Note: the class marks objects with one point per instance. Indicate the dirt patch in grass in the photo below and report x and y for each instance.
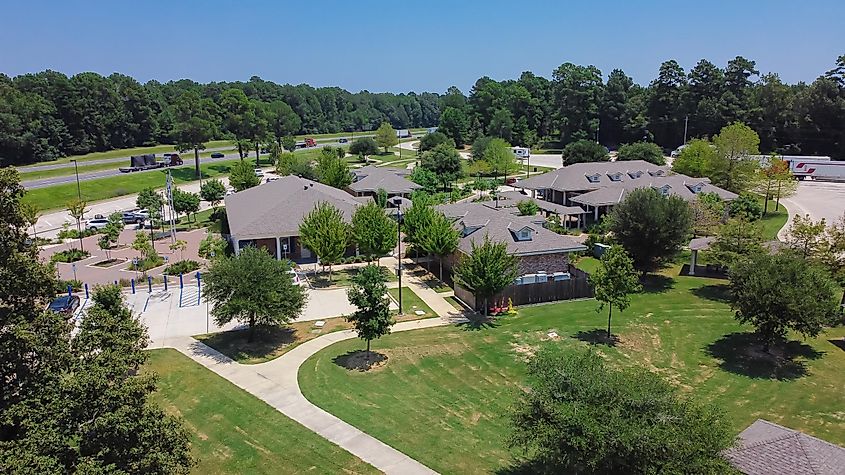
(361, 360)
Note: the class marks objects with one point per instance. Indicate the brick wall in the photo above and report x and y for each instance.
(543, 262)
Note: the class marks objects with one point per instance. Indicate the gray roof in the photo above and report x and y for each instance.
(391, 180)
(592, 179)
(701, 243)
(477, 220)
(511, 198)
(277, 208)
(768, 448)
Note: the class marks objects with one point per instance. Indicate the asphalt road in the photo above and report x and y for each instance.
(819, 199)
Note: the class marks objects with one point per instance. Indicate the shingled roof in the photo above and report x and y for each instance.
(277, 208)
(770, 449)
(391, 180)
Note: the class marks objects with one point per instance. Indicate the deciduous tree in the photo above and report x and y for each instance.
(732, 168)
(242, 176)
(445, 162)
(213, 191)
(438, 237)
(324, 232)
(185, 202)
(252, 288)
(373, 230)
(386, 136)
(583, 151)
(364, 147)
(488, 269)
(368, 293)
(333, 170)
(614, 280)
(429, 141)
(736, 240)
(647, 151)
(195, 124)
(696, 159)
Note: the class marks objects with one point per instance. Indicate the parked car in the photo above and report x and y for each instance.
(259, 173)
(130, 217)
(271, 178)
(230, 191)
(510, 181)
(65, 305)
(143, 214)
(342, 140)
(96, 224)
(217, 155)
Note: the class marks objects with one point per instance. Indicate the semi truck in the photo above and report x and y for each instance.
(306, 143)
(827, 170)
(403, 134)
(138, 163)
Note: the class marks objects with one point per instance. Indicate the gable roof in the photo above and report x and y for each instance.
(391, 180)
(771, 449)
(503, 225)
(277, 208)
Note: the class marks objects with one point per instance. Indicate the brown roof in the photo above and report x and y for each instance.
(477, 220)
(768, 448)
(391, 180)
(277, 208)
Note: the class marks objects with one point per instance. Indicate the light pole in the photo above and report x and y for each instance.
(79, 198)
(397, 201)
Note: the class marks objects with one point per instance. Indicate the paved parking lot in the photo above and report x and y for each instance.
(819, 199)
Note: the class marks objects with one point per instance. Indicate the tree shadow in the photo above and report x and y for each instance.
(597, 337)
(717, 293)
(742, 353)
(236, 345)
(657, 283)
(530, 467)
(476, 322)
(360, 360)
(840, 343)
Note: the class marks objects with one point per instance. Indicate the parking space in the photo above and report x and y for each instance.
(819, 199)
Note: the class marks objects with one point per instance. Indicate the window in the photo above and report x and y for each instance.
(697, 187)
(593, 178)
(664, 190)
(657, 173)
(524, 234)
(615, 176)
(635, 174)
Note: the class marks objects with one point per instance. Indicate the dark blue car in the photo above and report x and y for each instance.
(66, 305)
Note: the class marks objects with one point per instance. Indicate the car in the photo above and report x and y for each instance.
(129, 217)
(295, 277)
(96, 224)
(259, 173)
(342, 140)
(64, 305)
(217, 155)
(510, 181)
(271, 178)
(230, 191)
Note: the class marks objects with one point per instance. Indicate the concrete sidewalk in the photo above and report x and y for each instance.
(276, 383)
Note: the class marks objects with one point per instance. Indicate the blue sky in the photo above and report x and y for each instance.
(417, 45)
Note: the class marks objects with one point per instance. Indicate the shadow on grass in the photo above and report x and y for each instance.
(478, 322)
(528, 467)
(597, 337)
(236, 345)
(717, 293)
(657, 283)
(742, 353)
(840, 343)
(360, 360)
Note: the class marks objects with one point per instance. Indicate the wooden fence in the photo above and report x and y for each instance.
(576, 287)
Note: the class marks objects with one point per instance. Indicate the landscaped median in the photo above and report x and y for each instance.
(443, 395)
(234, 432)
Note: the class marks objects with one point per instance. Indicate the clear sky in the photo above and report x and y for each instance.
(416, 45)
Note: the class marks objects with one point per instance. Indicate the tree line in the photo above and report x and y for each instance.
(48, 114)
(578, 104)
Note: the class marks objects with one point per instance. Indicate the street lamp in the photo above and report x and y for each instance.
(397, 201)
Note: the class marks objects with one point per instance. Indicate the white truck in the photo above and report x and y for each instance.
(403, 133)
(827, 170)
(521, 152)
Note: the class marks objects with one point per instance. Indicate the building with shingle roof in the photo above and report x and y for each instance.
(598, 186)
(771, 449)
(368, 180)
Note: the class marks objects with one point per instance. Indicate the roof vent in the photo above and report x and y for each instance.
(305, 187)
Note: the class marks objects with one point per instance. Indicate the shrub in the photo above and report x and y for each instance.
(182, 267)
(61, 285)
(70, 233)
(69, 255)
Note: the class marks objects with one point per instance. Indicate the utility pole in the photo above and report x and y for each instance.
(686, 122)
(397, 202)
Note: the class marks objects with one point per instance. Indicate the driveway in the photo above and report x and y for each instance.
(819, 199)
(325, 303)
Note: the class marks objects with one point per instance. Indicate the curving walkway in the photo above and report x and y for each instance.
(276, 383)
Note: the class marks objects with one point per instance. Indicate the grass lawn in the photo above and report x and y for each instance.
(342, 277)
(125, 152)
(411, 302)
(234, 432)
(773, 220)
(199, 220)
(57, 197)
(444, 394)
(454, 302)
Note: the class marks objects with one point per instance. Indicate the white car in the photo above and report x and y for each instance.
(271, 178)
(96, 224)
(297, 280)
(259, 173)
(230, 191)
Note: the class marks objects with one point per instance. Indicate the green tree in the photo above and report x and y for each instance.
(282, 121)
(429, 141)
(775, 181)
(368, 293)
(576, 92)
(152, 201)
(527, 207)
(76, 209)
(185, 202)
(416, 218)
(373, 230)
(445, 162)
(195, 124)
(770, 293)
(364, 147)
(381, 198)
(732, 168)
(584, 151)
(614, 280)
(213, 191)
(111, 233)
(696, 159)
(31, 212)
(289, 143)
(736, 240)
(386, 136)
(745, 206)
(427, 179)
(807, 237)
(438, 237)
(500, 157)
(211, 247)
(252, 288)
(324, 232)
(651, 227)
(239, 115)
(479, 148)
(296, 165)
(454, 123)
(582, 415)
(646, 151)
(488, 269)
(332, 170)
(242, 176)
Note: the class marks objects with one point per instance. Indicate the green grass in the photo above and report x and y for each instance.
(342, 277)
(57, 197)
(444, 394)
(454, 302)
(773, 220)
(203, 219)
(234, 432)
(125, 152)
(411, 302)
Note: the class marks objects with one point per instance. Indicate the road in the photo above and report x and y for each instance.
(819, 199)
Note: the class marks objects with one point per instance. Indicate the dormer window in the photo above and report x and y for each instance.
(594, 178)
(657, 172)
(525, 234)
(697, 187)
(664, 190)
(635, 174)
(615, 176)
